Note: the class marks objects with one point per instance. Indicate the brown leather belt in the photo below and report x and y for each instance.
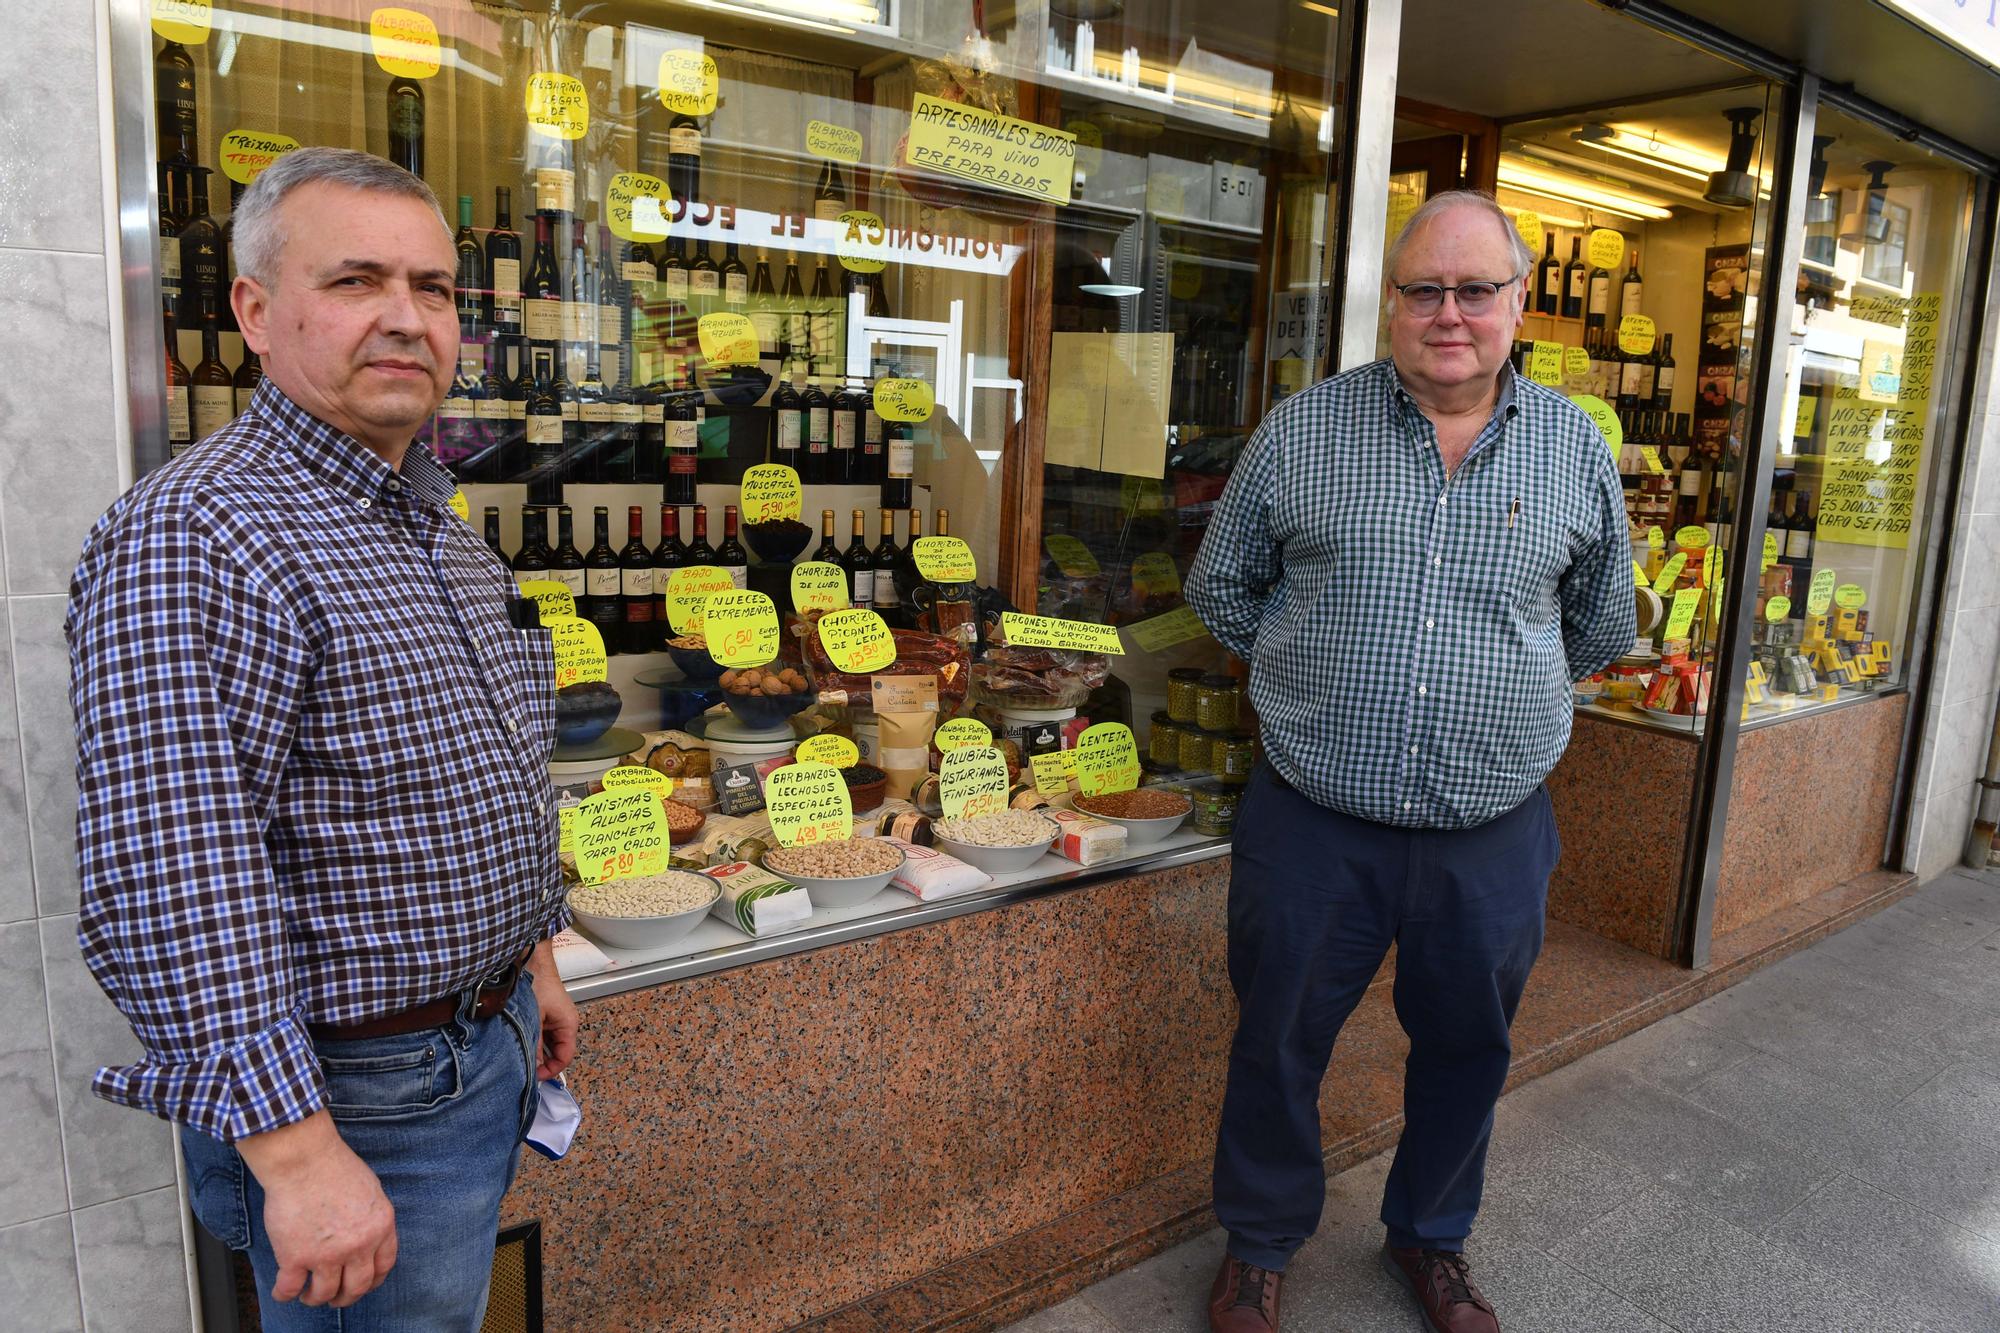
(492, 995)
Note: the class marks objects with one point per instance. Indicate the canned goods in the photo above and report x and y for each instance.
(1215, 812)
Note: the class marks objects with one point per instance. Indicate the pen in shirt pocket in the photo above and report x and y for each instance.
(1513, 511)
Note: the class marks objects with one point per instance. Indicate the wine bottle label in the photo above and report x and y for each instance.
(681, 462)
(1600, 296)
(610, 328)
(542, 320)
(1552, 283)
(637, 583)
(766, 324)
(1577, 277)
(517, 409)
(1690, 482)
(456, 409)
(817, 429)
(638, 270)
(902, 459)
(788, 431)
(1628, 300)
(737, 291)
(569, 578)
(490, 409)
(704, 281)
(1663, 379)
(1798, 543)
(594, 413)
(1628, 377)
(555, 187)
(829, 210)
(684, 435)
(843, 431)
(243, 397)
(529, 574)
(871, 432)
(884, 592)
(170, 266)
(739, 575)
(213, 408)
(611, 359)
(684, 141)
(677, 283)
(579, 322)
(569, 410)
(864, 586)
(544, 428)
(603, 582)
(654, 413)
(1646, 382)
(625, 414)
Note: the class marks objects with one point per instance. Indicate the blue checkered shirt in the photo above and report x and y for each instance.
(312, 760)
(1411, 648)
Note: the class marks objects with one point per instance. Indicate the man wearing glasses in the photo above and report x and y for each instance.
(1416, 558)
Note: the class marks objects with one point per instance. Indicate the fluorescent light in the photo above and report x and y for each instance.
(1576, 190)
(1327, 10)
(1655, 162)
(1641, 144)
(746, 11)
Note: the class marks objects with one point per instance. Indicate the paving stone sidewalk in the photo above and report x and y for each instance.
(1817, 1147)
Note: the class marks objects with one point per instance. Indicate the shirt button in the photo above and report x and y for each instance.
(393, 486)
(363, 505)
(1423, 689)
(1440, 502)
(1406, 805)
(1430, 624)
(513, 726)
(1437, 560)
(1413, 749)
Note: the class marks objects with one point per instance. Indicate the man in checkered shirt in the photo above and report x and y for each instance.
(1417, 558)
(315, 825)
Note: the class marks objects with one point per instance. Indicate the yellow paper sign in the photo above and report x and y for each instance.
(1177, 626)
(972, 781)
(1635, 334)
(637, 775)
(1681, 619)
(183, 21)
(835, 143)
(1530, 226)
(818, 585)
(741, 628)
(1850, 596)
(566, 829)
(688, 591)
(244, 153)
(808, 804)
(1184, 280)
(551, 599)
(620, 834)
(1605, 248)
(860, 248)
(1711, 566)
(1770, 550)
(636, 206)
(1576, 362)
(1654, 464)
(1077, 636)
(857, 640)
(1638, 575)
(1803, 415)
(1606, 418)
(945, 560)
(1545, 364)
(903, 400)
(1072, 557)
(558, 107)
(461, 506)
(1089, 144)
(1154, 574)
(579, 650)
(728, 339)
(1656, 541)
(1691, 538)
(1670, 573)
(1053, 770)
(1820, 595)
(961, 733)
(1777, 609)
(688, 82)
(1107, 759)
(770, 492)
(829, 749)
(405, 43)
(974, 144)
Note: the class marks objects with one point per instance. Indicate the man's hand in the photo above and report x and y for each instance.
(329, 1222)
(558, 1013)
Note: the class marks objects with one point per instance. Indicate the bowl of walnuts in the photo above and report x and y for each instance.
(765, 697)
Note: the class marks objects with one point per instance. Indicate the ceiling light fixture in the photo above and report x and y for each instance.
(1642, 144)
(1869, 225)
(1575, 190)
(1734, 186)
(1327, 10)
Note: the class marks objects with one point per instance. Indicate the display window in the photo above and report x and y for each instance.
(851, 376)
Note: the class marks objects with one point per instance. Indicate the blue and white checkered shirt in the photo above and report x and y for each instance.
(312, 761)
(1412, 638)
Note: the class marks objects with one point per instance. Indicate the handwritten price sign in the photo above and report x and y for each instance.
(808, 803)
(1545, 364)
(550, 598)
(728, 339)
(860, 248)
(818, 585)
(945, 560)
(558, 106)
(857, 640)
(1072, 557)
(627, 776)
(1605, 248)
(579, 650)
(770, 491)
(1107, 759)
(245, 153)
(405, 43)
(1076, 636)
(1053, 771)
(689, 82)
(742, 628)
(1606, 418)
(1819, 597)
(835, 143)
(904, 400)
(962, 733)
(636, 205)
(829, 749)
(688, 591)
(620, 834)
(972, 782)
(1635, 335)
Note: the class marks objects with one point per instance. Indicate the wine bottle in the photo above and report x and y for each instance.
(878, 297)
(1631, 376)
(406, 125)
(174, 105)
(1799, 536)
(1548, 279)
(668, 556)
(531, 562)
(249, 374)
(612, 303)
(673, 269)
(566, 562)
(492, 517)
(1600, 299)
(635, 585)
(1663, 375)
(211, 387)
(1648, 365)
(845, 467)
(899, 477)
(873, 463)
(882, 596)
(819, 433)
(704, 278)
(173, 216)
(731, 555)
(580, 307)
(459, 435)
(684, 161)
(788, 423)
(227, 310)
(503, 267)
(699, 552)
(1687, 502)
(1631, 291)
(904, 573)
(587, 436)
(763, 304)
(792, 311)
(859, 564)
(603, 602)
(542, 297)
(829, 549)
(1575, 279)
(508, 458)
(649, 428)
(471, 277)
(544, 414)
(735, 279)
(829, 193)
(683, 430)
(204, 286)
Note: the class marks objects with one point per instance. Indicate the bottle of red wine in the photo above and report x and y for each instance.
(829, 549)
(532, 560)
(819, 434)
(873, 464)
(471, 278)
(859, 564)
(180, 422)
(544, 413)
(211, 386)
(503, 267)
(735, 278)
(668, 556)
(249, 374)
(684, 160)
(699, 552)
(542, 303)
(1575, 276)
(493, 533)
(731, 555)
(847, 468)
(406, 125)
(1548, 279)
(174, 105)
(204, 281)
(683, 433)
(788, 423)
(883, 594)
(900, 468)
(603, 582)
(566, 564)
(635, 585)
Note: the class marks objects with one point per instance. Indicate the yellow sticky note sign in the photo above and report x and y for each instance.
(1670, 573)
(1107, 759)
(637, 775)
(1803, 416)
(688, 591)
(961, 733)
(1850, 596)
(1638, 575)
(1053, 770)
(621, 834)
(1777, 609)
(904, 400)
(860, 248)
(807, 804)
(818, 585)
(828, 749)
(636, 206)
(1154, 574)
(245, 153)
(1606, 418)
(835, 143)
(566, 829)
(1545, 362)
(1711, 566)
(1076, 636)
(1681, 619)
(728, 339)
(1604, 248)
(183, 21)
(972, 781)
(1654, 464)
(945, 560)
(741, 628)
(579, 650)
(1072, 557)
(552, 599)
(1576, 362)
(688, 82)
(770, 492)
(1656, 541)
(857, 640)
(1529, 225)
(558, 107)
(1770, 550)
(461, 506)
(975, 144)
(1819, 596)
(1635, 335)
(1691, 538)
(405, 43)
(1177, 626)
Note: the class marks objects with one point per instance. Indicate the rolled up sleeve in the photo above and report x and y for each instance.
(1231, 579)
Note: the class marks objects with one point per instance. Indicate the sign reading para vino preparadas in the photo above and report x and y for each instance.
(688, 591)
(974, 144)
(579, 650)
(741, 628)
(808, 803)
(945, 560)
(818, 585)
(405, 43)
(689, 82)
(1076, 636)
(770, 492)
(1107, 759)
(972, 782)
(857, 640)
(245, 153)
(621, 834)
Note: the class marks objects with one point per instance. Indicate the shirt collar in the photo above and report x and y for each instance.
(349, 466)
(1504, 406)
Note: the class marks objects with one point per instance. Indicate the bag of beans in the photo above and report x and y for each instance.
(931, 875)
(906, 713)
(757, 902)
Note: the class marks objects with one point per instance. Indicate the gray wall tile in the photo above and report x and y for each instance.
(1913, 835)
(1964, 729)
(1947, 819)
(110, 1151)
(58, 451)
(52, 200)
(1986, 480)
(1974, 580)
(17, 880)
(131, 1265)
(31, 1180)
(48, 743)
(38, 1276)
(1973, 663)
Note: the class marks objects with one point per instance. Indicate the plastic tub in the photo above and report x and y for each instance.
(1034, 730)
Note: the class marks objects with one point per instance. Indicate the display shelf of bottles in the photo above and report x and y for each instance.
(1160, 104)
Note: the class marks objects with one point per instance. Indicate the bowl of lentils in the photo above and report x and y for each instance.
(838, 874)
(645, 912)
(999, 843)
(1147, 813)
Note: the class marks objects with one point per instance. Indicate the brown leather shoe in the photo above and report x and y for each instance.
(1437, 1278)
(1244, 1298)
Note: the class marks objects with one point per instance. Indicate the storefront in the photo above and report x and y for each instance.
(755, 296)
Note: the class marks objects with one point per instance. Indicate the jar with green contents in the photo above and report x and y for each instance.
(1183, 694)
(1215, 812)
(1197, 750)
(1164, 746)
(1235, 754)
(1218, 703)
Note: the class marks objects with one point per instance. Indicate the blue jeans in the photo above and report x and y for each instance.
(438, 1116)
(1315, 899)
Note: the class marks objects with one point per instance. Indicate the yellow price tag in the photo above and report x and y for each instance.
(1711, 566)
(962, 733)
(405, 43)
(945, 560)
(688, 82)
(1177, 626)
(1606, 417)
(1820, 595)
(1691, 537)
(904, 400)
(835, 143)
(183, 21)
(688, 591)
(1638, 575)
(1154, 574)
(1635, 335)
(621, 834)
(1850, 596)
(1656, 541)
(972, 782)
(1075, 636)
(770, 491)
(1605, 248)
(1681, 619)
(551, 599)
(636, 206)
(1072, 557)
(245, 153)
(807, 804)
(1107, 759)
(1777, 609)
(579, 650)
(461, 506)
(558, 106)
(860, 247)
(1545, 363)
(1670, 573)
(728, 339)
(1654, 464)
(829, 749)
(1529, 225)
(818, 585)
(626, 776)
(857, 640)
(566, 829)
(1053, 770)
(1770, 550)
(1576, 362)
(741, 628)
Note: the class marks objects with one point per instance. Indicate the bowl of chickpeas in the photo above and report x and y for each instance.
(765, 697)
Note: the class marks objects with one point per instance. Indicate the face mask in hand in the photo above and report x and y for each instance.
(556, 1118)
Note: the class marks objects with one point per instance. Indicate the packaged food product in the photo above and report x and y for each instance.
(904, 732)
(930, 875)
(1215, 812)
(1084, 840)
(1218, 701)
(1183, 694)
(757, 902)
(931, 656)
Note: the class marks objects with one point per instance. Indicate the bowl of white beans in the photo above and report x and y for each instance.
(646, 912)
(999, 843)
(838, 874)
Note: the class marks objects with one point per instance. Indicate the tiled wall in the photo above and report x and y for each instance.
(90, 1219)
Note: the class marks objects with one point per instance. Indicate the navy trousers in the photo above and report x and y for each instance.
(1315, 899)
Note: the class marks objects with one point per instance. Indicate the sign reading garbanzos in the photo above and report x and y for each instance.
(1018, 156)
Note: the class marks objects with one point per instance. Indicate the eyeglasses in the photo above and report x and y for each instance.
(1474, 298)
